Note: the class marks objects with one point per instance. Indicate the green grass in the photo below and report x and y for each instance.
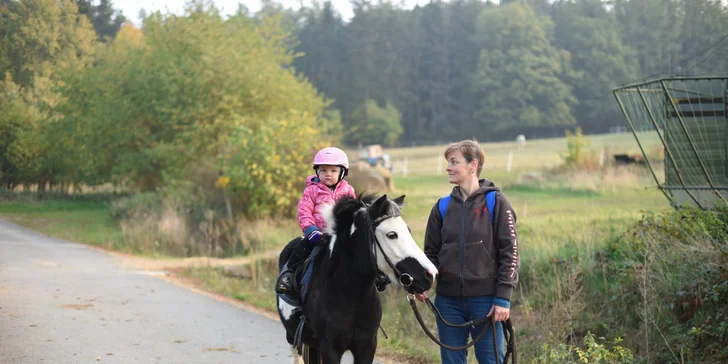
(255, 291)
(564, 216)
(82, 221)
(536, 155)
(567, 215)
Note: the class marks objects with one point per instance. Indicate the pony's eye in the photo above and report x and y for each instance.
(391, 235)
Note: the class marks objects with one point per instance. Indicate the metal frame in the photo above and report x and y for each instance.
(635, 84)
(659, 86)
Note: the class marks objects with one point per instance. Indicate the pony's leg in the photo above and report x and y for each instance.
(295, 358)
(330, 355)
(364, 355)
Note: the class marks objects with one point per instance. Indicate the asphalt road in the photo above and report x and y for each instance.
(68, 303)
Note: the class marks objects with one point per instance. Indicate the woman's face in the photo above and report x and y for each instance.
(458, 169)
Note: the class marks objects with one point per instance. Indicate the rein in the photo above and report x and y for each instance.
(508, 332)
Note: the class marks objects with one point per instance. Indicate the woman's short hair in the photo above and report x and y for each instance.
(470, 149)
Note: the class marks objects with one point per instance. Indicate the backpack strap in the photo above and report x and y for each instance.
(442, 204)
(489, 200)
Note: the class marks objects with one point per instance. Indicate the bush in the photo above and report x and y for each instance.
(591, 352)
(371, 124)
(576, 145)
(267, 173)
(662, 285)
(670, 269)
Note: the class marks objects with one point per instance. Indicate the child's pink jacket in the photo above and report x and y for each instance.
(315, 196)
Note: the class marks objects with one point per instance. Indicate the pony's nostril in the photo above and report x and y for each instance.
(406, 280)
(430, 275)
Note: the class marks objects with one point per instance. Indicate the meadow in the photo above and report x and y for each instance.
(565, 215)
(560, 213)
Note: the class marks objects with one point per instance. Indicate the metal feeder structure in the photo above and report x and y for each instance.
(681, 127)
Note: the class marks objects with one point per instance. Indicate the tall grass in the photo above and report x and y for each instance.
(563, 224)
(171, 232)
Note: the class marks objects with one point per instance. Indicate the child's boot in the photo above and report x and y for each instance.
(285, 282)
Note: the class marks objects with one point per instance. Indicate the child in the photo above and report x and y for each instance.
(331, 166)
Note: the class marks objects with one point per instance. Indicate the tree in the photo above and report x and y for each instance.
(704, 23)
(17, 122)
(43, 35)
(432, 70)
(520, 73)
(156, 104)
(324, 58)
(372, 124)
(107, 21)
(43, 39)
(463, 51)
(591, 35)
(649, 28)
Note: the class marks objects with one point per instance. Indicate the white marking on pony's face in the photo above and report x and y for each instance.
(296, 359)
(353, 230)
(332, 243)
(327, 211)
(397, 242)
(285, 308)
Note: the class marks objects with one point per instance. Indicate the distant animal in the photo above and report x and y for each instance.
(625, 159)
(521, 140)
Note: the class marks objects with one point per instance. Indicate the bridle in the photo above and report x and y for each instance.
(405, 279)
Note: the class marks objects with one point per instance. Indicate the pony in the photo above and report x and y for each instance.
(364, 237)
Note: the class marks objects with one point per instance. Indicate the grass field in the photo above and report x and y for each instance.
(566, 213)
(563, 214)
(79, 221)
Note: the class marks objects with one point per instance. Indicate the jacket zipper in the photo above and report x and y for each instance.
(462, 250)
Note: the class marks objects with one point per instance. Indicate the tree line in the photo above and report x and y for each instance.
(202, 99)
(467, 68)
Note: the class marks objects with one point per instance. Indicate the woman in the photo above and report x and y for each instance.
(477, 260)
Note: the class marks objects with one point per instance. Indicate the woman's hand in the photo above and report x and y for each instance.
(501, 313)
(421, 296)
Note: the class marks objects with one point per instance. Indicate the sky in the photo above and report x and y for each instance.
(130, 8)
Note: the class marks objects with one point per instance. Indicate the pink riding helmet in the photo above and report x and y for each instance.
(334, 157)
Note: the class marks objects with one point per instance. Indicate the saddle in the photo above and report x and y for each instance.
(302, 274)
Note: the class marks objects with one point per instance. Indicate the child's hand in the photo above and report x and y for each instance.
(314, 236)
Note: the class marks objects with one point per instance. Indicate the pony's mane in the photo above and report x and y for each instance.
(347, 207)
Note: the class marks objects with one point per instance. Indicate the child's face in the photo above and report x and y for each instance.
(329, 175)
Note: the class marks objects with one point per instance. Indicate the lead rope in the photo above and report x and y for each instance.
(508, 332)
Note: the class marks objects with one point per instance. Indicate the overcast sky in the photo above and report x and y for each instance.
(130, 8)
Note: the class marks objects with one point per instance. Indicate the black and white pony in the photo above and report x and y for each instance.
(364, 236)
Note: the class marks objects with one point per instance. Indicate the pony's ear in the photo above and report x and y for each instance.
(379, 207)
(399, 201)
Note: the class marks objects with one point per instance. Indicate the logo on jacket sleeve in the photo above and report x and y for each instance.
(512, 230)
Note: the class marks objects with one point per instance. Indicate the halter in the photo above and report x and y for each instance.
(404, 279)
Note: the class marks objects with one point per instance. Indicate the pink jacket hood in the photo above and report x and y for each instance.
(315, 196)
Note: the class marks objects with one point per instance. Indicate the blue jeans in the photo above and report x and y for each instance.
(458, 310)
